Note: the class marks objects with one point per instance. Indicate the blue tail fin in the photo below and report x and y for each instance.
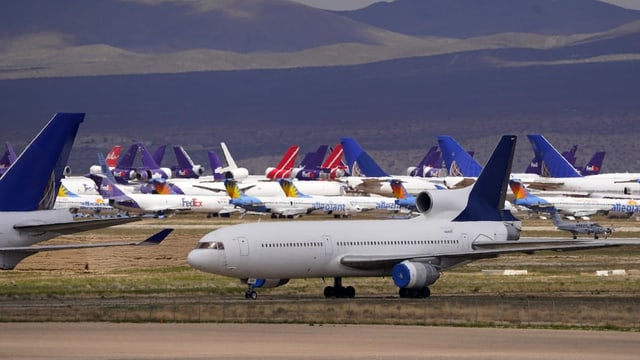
(594, 165)
(8, 158)
(458, 161)
(33, 180)
(358, 161)
(486, 199)
(553, 164)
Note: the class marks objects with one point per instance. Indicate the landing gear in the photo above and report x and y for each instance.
(338, 291)
(251, 294)
(415, 293)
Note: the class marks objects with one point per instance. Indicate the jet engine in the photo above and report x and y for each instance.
(66, 171)
(198, 170)
(442, 204)
(414, 275)
(266, 283)
(143, 175)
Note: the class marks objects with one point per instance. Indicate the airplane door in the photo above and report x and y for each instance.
(464, 239)
(328, 246)
(244, 245)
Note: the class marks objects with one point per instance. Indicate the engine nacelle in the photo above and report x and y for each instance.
(198, 170)
(167, 171)
(410, 170)
(266, 283)
(66, 171)
(442, 204)
(414, 275)
(142, 175)
(95, 170)
(238, 174)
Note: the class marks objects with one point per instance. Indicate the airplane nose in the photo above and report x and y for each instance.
(200, 259)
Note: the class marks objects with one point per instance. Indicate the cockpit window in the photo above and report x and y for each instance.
(216, 245)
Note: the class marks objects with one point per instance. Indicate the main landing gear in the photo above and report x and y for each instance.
(338, 291)
(422, 293)
(251, 294)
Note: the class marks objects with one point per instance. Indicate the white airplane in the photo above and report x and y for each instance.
(28, 193)
(368, 177)
(567, 205)
(277, 206)
(340, 206)
(82, 204)
(456, 227)
(160, 204)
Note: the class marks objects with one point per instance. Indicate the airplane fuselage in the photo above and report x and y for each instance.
(332, 248)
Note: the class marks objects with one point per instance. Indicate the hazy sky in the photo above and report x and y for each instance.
(355, 4)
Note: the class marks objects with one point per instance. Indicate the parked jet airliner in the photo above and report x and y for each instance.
(456, 227)
(28, 192)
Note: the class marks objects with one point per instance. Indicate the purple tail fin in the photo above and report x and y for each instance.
(594, 165)
(158, 155)
(313, 160)
(8, 158)
(215, 163)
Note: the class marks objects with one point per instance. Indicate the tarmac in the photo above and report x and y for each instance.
(294, 341)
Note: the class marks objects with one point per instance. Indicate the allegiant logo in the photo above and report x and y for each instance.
(626, 208)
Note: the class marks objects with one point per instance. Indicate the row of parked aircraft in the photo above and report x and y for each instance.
(454, 227)
(574, 194)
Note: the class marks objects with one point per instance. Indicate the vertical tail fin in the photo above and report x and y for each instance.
(290, 189)
(107, 188)
(358, 161)
(232, 188)
(487, 196)
(431, 161)
(33, 180)
(458, 161)
(126, 161)
(8, 158)
(158, 155)
(594, 165)
(113, 156)
(289, 158)
(553, 164)
(147, 159)
(216, 165)
(570, 155)
(334, 159)
(403, 198)
(186, 167)
(231, 164)
(313, 160)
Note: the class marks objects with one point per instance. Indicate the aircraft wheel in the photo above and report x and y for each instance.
(251, 294)
(350, 292)
(329, 291)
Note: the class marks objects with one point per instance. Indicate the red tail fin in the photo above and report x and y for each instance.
(113, 156)
(289, 158)
(334, 159)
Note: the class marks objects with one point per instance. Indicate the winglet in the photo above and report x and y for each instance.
(486, 198)
(40, 167)
(156, 238)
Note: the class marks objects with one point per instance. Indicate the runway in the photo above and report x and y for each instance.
(294, 341)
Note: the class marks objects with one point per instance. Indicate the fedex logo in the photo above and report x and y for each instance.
(193, 202)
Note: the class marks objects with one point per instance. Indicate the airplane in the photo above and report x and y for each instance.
(567, 205)
(28, 192)
(368, 177)
(82, 204)
(186, 168)
(459, 163)
(339, 206)
(285, 166)
(330, 168)
(7, 158)
(160, 205)
(456, 227)
(576, 228)
(231, 171)
(277, 206)
(403, 198)
(568, 180)
(594, 165)
(429, 166)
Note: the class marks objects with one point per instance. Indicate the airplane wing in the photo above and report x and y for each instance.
(488, 250)
(544, 185)
(71, 227)
(221, 187)
(154, 239)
